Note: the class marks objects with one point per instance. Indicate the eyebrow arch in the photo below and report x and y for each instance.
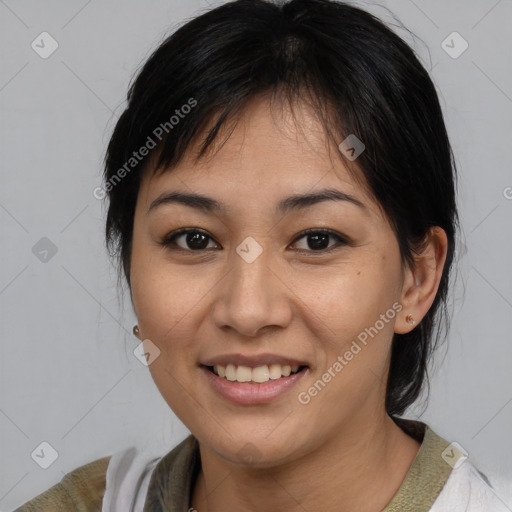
(296, 202)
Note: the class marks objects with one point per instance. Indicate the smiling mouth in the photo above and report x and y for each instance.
(256, 375)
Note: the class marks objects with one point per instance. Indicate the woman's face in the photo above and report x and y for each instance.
(248, 291)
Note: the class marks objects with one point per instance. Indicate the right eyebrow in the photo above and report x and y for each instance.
(200, 202)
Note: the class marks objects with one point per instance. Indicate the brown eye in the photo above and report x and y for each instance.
(189, 239)
(317, 240)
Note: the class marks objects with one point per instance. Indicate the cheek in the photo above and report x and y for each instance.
(344, 301)
(162, 299)
(164, 306)
(162, 294)
(353, 339)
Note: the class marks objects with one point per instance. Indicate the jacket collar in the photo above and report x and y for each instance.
(174, 477)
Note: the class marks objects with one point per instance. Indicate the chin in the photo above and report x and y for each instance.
(252, 450)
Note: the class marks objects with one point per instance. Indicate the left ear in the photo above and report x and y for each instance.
(421, 280)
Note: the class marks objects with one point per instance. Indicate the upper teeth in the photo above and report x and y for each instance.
(258, 374)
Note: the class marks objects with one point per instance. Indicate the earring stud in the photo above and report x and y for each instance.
(409, 319)
(136, 330)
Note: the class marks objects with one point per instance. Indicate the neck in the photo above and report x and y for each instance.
(359, 469)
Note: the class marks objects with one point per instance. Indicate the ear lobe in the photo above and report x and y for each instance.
(421, 280)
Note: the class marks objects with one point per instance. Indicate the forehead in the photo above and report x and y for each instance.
(273, 150)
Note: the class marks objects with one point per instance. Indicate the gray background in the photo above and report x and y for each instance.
(67, 369)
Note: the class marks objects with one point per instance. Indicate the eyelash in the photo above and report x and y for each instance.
(169, 241)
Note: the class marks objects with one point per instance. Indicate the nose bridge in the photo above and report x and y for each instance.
(250, 262)
(251, 298)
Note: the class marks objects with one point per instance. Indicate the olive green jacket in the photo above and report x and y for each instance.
(172, 480)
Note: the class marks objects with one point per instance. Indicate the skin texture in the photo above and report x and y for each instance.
(340, 451)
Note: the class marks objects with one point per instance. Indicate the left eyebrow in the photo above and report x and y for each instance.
(302, 201)
(295, 202)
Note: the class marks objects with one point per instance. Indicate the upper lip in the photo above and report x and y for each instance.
(252, 361)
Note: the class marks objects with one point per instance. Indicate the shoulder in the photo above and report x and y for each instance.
(81, 490)
(468, 489)
(442, 478)
(120, 481)
(138, 479)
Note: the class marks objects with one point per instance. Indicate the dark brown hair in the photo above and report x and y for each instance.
(361, 77)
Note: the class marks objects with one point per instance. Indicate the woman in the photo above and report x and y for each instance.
(282, 202)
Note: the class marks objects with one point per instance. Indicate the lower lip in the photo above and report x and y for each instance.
(249, 392)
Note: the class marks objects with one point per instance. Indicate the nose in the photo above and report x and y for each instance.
(253, 297)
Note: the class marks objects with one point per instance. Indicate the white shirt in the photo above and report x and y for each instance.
(129, 473)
